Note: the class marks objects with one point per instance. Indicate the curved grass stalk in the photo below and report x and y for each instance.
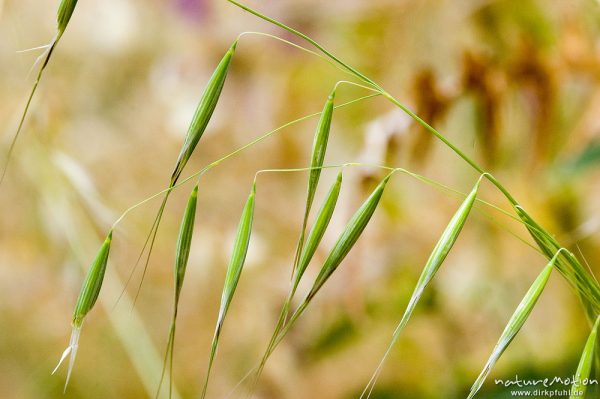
(297, 46)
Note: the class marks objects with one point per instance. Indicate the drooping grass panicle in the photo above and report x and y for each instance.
(232, 277)
(437, 257)
(85, 302)
(516, 321)
(592, 288)
(584, 367)
(182, 254)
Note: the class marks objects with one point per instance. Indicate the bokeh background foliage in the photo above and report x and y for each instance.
(513, 83)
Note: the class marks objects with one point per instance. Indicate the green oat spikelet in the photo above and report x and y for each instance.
(584, 368)
(85, 302)
(204, 111)
(567, 264)
(234, 271)
(206, 106)
(318, 230)
(314, 238)
(341, 248)
(65, 11)
(345, 242)
(348, 238)
(182, 255)
(319, 149)
(516, 322)
(437, 257)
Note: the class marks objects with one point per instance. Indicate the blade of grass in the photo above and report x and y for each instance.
(182, 254)
(516, 322)
(437, 257)
(582, 374)
(234, 271)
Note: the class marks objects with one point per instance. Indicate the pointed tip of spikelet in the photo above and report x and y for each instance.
(70, 352)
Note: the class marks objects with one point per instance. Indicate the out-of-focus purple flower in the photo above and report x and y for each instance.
(193, 10)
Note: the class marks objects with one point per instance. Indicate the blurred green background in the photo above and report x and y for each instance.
(513, 83)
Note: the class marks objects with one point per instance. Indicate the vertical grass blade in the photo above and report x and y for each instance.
(437, 257)
(182, 255)
(234, 271)
(585, 365)
(316, 162)
(515, 323)
(85, 302)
